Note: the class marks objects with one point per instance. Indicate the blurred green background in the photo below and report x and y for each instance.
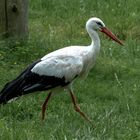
(111, 93)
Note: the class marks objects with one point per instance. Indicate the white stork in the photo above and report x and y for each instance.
(59, 69)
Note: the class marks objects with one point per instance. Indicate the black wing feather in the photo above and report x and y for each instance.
(28, 82)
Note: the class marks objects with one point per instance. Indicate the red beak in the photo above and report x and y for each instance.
(111, 35)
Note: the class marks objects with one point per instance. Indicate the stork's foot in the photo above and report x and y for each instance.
(44, 106)
(77, 108)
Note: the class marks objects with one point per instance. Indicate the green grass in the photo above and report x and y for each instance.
(110, 94)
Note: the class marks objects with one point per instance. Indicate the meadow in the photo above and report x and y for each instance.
(110, 95)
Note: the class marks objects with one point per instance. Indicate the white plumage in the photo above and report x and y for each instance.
(59, 65)
(59, 68)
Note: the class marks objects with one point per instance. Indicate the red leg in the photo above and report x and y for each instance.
(45, 105)
(77, 108)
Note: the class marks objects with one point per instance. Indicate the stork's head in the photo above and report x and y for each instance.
(98, 25)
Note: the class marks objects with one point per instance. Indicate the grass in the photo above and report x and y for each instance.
(110, 94)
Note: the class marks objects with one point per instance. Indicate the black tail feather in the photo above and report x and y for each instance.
(28, 82)
(11, 90)
(15, 88)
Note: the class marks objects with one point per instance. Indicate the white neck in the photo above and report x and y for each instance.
(95, 44)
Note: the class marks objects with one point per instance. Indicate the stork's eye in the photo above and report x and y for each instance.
(99, 23)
